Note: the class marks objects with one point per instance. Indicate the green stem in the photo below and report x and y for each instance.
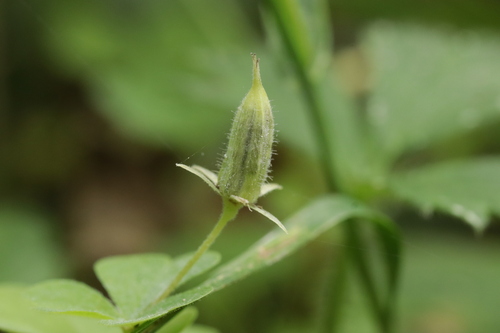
(333, 294)
(229, 212)
(293, 32)
(296, 43)
(359, 259)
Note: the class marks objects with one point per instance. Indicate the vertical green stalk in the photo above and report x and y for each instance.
(333, 292)
(229, 212)
(294, 35)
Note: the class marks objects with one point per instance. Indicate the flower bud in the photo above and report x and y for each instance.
(247, 159)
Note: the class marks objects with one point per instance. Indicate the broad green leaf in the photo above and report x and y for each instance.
(468, 189)
(318, 217)
(18, 315)
(167, 305)
(429, 83)
(134, 281)
(72, 297)
(86, 325)
(181, 321)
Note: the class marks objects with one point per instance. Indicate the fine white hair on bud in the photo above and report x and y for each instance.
(245, 166)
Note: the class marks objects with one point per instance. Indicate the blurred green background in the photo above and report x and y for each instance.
(100, 98)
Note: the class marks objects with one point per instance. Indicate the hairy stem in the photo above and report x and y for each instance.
(229, 212)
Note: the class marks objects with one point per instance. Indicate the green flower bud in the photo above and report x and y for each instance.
(247, 159)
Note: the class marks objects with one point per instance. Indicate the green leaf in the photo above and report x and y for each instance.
(181, 321)
(467, 189)
(134, 281)
(206, 175)
(165, 306)
(17, 315)
(318, 217)
(430, 83)
(269, 216)
(72, 297)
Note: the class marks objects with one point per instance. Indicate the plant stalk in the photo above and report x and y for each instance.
(287, 25)
(229, 212)
(333, 293)
(288, 20)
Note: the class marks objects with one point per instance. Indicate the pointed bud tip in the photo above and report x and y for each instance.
(256, 70)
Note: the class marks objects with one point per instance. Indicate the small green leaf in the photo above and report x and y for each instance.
(206, 175)
(269, 187)
(134, 281)
(269, 216)
(209, 174)
(72, 297)
(165, 306)
(181, 321)
(467, 189)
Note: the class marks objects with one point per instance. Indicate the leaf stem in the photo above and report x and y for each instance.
(229, 212)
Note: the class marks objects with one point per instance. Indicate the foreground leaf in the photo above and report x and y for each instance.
(318, 217)
(17, 315)
(469, 190)
(134, 281)
(72, 297)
